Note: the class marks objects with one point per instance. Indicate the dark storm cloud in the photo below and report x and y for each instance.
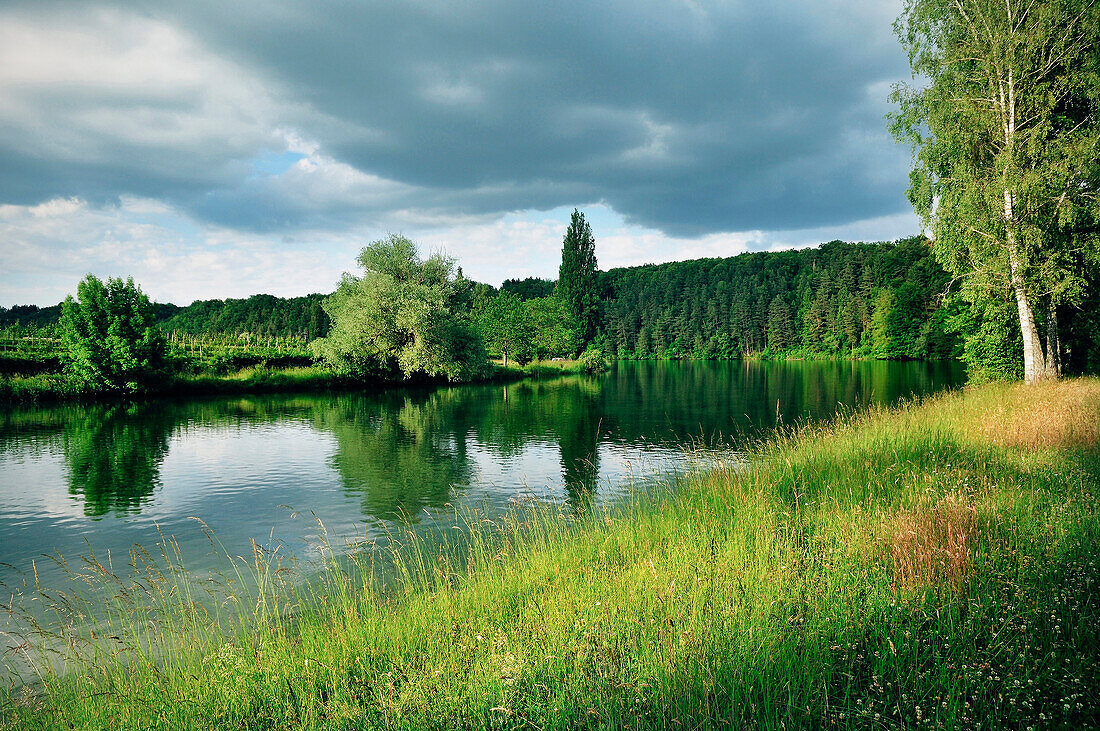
(687, 117)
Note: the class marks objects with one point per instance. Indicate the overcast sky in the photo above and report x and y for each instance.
(220, 149)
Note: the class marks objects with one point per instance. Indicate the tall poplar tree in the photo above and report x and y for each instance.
(577, 276)
(1006, 141)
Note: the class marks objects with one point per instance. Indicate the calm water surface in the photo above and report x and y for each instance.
(104, 478)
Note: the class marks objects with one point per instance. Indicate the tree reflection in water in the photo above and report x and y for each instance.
(114, 455)
(406, 449)
(402, 450)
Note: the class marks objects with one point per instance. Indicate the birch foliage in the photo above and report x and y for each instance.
(1004, 127)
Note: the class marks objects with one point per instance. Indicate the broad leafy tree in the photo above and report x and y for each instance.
(1007, 151)
(577, 279)
(556, 332)
(506, 328)
(109, 337)
(403, 318)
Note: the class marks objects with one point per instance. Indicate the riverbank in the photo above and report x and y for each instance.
(56, 388)
(936, 563)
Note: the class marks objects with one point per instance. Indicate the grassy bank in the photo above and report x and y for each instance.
(56, 387)
(926, 566)
(537, 369)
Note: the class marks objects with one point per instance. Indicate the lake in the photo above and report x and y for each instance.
(284, 469)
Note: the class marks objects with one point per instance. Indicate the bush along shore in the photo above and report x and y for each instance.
(934, 565)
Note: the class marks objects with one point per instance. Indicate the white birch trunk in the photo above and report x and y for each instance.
(1035, 366)
(1034, 362)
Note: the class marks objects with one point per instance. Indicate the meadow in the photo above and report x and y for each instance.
(932, 565)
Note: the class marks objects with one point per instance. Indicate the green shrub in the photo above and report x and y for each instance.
(109, 338)
(593, 361)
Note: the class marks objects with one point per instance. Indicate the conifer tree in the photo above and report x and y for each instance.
(577, 276)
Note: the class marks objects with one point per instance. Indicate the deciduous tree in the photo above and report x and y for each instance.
(506, 328)
(404, 317)
(109, 338)
(556, 333)
(1007, 150)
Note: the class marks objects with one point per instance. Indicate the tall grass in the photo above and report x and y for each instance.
(897, 569)
(59, 387)
(40, 387)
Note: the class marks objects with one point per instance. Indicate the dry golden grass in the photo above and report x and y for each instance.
(932, 543)
(1046, 415)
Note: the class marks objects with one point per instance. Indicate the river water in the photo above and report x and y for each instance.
(285, 469)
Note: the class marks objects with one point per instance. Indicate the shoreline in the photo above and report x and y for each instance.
(54, 388)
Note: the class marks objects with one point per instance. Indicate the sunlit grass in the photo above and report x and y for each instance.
(58, 387)
(537, 368)
(40, 387)
(899, 568)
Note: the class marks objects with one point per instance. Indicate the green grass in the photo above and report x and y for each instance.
(536, 369)
(56, 387)
(261, 380)
(933, 565)
(39, 388)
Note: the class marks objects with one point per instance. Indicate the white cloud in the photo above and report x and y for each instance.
(49, 247)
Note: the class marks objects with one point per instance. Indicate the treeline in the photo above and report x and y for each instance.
(876, 300)
(881, 300)
(32, 318)
(261, 314)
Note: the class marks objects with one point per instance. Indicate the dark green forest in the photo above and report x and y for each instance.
(260, 314)
(529, 288)
(882, 300)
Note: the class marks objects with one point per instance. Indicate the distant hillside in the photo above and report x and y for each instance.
(260, 314)
(33, 316)
(529, 288)
(879, 300)
(29, 316)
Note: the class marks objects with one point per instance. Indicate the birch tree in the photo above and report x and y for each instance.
(1004, 129)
